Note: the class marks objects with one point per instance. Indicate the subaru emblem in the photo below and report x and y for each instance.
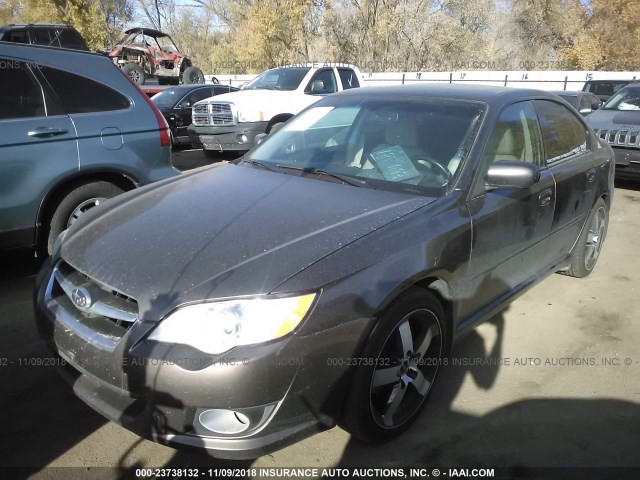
(81, 297)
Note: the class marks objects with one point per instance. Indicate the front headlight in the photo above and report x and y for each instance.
(216, 327)
(250, 116)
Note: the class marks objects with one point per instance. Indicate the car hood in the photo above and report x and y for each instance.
(608, 118)
(254, 98)
(226, 231)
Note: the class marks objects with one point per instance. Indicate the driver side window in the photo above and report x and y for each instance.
(515, 136)
(322, 83)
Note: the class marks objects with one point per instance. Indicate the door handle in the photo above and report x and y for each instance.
(545, 197)
(46, 132)
(591, 175)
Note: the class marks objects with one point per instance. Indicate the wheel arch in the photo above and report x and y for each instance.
(434, 283)
(279, 118)
(47, 206)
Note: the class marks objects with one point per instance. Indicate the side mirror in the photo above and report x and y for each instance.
(512, 174)
(317, 86)
(585, 111)
(596, 105)
(260, 138)
(184, 105)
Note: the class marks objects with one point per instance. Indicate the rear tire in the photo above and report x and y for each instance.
(192, 75)
(75, 203)
(401, 361)
(589, 244)
(135, 72)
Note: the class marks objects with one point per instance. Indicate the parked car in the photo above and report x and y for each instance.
(584, 102)
(618, 124)
(48, 34)
(231, 123)
(323, 277)
(176, 103)
(145, 52)
(605, 89)
(74, 131)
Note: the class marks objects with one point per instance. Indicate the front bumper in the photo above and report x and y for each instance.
(161, 392)
(627, 162)
(239, 137)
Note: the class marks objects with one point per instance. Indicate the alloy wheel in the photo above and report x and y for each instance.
(595, 238)
(406, 369)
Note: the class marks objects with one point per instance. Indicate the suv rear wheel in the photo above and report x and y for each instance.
(75, 203)
(192, 75)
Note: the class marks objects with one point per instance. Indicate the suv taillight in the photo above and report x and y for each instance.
(163, 126)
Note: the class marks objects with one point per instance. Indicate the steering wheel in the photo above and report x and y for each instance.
(441, 169)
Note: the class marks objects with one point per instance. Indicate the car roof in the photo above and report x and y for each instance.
(18, 26)
(572, 93)
(193, 86)
(147, 31)
(612, 81)
(44, 53)
(480, 93)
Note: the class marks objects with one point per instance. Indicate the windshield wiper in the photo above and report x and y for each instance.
(257, 163)
(343, 178)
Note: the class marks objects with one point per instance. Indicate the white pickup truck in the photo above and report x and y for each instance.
(231, 121)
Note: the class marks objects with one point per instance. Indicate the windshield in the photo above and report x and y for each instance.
(163, 42)
(285, 78)
(411, 144)
(167, 98)
(627, 99)
(605, 88)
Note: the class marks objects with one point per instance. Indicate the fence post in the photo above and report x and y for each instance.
(402, 78)
(566, 78)
(451, 77)
(506, 78)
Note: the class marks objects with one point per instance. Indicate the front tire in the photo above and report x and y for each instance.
(75, 203)
(400, 364)
(589, 244)
(274, 127)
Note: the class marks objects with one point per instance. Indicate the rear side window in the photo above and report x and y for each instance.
(81, 95)
(348, 78)
(17, 36)
(563, 134)
(40, 36)
(20, 95)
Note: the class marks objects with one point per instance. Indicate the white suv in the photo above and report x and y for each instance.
(232, 121)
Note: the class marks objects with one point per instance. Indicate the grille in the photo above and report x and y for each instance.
(94, 312)
(214, 114)
(622, 138)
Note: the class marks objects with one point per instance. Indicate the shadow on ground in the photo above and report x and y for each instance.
(528, 433)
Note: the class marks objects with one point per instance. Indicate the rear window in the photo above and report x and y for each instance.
(81, 95)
